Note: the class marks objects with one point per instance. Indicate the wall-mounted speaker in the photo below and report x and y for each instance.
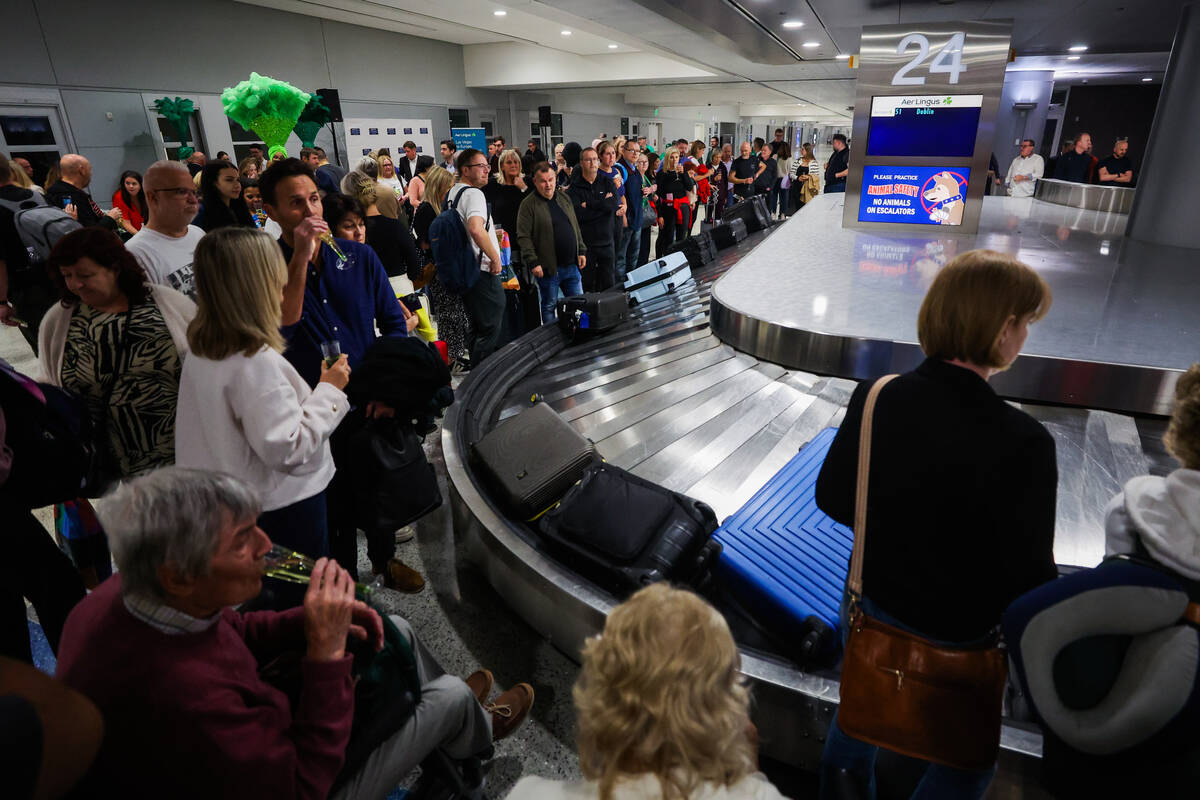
(330, 98)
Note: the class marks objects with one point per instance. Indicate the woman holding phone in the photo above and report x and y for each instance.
(243, 409)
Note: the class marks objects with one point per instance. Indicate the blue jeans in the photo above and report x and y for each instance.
(303, 527)
(773, 195)
(568, 280)
(628, 249)
(834, 188)
(856, 758)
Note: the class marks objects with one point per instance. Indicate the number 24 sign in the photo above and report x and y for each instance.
(948, 60)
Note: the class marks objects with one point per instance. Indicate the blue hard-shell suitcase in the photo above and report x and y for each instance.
(785, 561)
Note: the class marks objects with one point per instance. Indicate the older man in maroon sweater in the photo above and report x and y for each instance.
(175, 670)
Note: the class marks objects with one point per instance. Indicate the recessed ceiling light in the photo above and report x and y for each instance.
(793, 23)
(612, 47)
(499, 13)
(811, 44)
(1077, 48)
(1147, 80)
(842, 56)
(566, 33)
(1074, 58)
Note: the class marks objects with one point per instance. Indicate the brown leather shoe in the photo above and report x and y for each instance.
(510, 710)
(480, 683)
(402, 578)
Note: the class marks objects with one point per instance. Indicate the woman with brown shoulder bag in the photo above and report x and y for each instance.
(951, 493)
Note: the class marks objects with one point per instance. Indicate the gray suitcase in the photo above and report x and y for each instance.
(532, 459)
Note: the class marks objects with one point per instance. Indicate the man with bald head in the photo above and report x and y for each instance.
(165, 244)
(69, 194)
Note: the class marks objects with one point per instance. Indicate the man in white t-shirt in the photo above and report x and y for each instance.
(1024, 171)
(485, 301)
(165, 244)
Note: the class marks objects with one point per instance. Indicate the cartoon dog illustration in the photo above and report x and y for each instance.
(947, 199)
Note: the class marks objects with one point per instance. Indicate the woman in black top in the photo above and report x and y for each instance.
(674, 213)
(221, 203)
(962, 485)
(505, 195)
(390, 238)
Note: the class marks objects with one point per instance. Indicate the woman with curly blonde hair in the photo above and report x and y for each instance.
(1160, 516)
(662, 709)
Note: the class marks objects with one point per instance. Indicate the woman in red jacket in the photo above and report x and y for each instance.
(131, 199)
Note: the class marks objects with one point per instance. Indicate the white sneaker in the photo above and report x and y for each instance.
(405, 534)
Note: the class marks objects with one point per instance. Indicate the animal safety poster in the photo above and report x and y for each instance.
(914, 195)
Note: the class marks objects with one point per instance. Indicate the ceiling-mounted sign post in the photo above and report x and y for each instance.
(924, 120)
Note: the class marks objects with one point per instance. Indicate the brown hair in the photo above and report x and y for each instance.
(1183, 433)
(103, 247)
(970, 301)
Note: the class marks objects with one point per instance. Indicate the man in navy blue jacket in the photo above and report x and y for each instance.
(631, 235)
(327, 298)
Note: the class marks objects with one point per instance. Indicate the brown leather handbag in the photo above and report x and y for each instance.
(899, 690)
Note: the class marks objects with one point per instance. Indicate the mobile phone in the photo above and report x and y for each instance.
(66, 202)
(412, 302)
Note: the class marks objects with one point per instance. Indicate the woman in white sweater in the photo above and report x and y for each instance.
(662, 710)
(243, 409)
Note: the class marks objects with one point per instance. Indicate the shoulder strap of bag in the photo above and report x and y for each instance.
(860, 494)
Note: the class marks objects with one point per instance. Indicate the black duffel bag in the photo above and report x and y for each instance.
(391, 481)
(625, 532)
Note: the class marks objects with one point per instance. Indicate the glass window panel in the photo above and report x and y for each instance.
(19, 131)
(40, 160)
(240, 134)
(556, 128)
(459, 118)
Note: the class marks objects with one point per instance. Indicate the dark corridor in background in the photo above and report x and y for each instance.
(1107, 112)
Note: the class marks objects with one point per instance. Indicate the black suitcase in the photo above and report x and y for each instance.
(624, 532)
(753, 211)
(593, 312)
(533, 458)
(698, 248)
(727, 233)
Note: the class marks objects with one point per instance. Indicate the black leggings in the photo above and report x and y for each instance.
(34, 568)
(672, 230)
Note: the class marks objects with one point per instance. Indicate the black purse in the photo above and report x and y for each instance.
(392, 482)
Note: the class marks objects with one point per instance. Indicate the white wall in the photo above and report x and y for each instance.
(1011, 124)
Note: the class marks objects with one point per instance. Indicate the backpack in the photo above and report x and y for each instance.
(457, 265)
(39, 225)
(50, 434)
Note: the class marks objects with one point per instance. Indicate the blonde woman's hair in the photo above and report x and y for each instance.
(1183, 433)
(437, 182)
(240, 273)
(361, 187)
(669, 160)
(660, 693)
(21, 178)
(501, 178)
(970, 301)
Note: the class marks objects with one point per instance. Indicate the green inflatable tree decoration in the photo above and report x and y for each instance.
(314, 117)
(178, 112)
(266, 106)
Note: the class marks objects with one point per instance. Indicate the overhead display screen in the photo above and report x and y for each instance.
(914, 195)
(935, 126)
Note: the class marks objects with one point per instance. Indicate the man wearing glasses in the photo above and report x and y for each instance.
(1024, 171)
(631, 235)
(165, 244)
(485, 300)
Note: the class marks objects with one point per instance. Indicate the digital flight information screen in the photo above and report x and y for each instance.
(935, 125)
(914, 195)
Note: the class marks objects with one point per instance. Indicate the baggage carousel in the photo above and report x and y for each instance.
(663, 396)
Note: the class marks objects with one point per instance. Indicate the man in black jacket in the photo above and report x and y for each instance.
(595, 199)
(412, 164)
(532, 157)
(69, 194)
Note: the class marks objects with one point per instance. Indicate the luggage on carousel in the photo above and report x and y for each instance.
(532, 459)
(698, 248)
(659, 277)
(593, 312)
(785, 561)
(728, 233)
(624, 532)
(752, 210)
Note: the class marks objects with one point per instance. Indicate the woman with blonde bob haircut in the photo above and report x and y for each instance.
(243, 409)
(957, 476)
(662, 709)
